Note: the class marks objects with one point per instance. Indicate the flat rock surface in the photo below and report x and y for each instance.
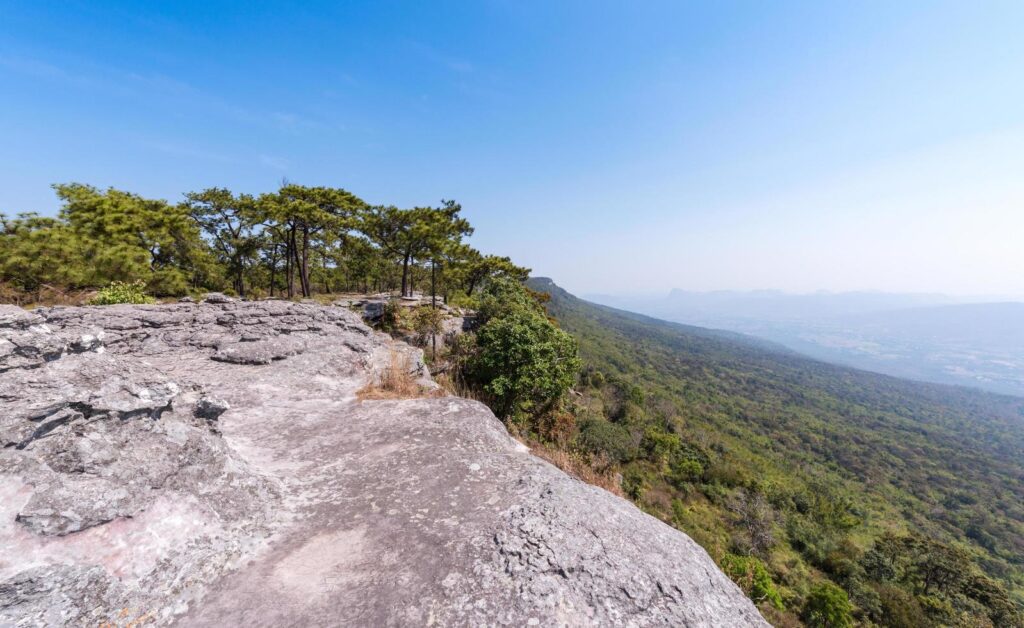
(209, 464)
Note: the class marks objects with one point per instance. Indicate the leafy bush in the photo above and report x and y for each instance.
(503, 296)
(752, 576)
(601, 437)
(659, 446)
(898, 607)
(527, 361)
(392, 317)
(684, 471)
(524, 362)
(635, 483)
(828, 606)
(122, 292)
(594, 379)
(687, 464)
(427, 322)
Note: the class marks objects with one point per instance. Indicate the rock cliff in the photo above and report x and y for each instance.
(209, 464)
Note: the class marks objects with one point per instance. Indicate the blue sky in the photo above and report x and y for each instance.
(617, 147)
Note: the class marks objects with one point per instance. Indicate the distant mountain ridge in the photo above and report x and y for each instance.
(774, 305)
(917, 336)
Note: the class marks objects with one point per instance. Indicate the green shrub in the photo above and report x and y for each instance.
(524, 362)
(122, 292)
(598, 436)
(752, 576)
(898, 607)
(635, 483)
(685, 471)
(659, 446)
(828, 606)
(527, 362)
(503, 296)
(636, 395)
(392, 317)
(596, 379)
(687, 464)
(427, 322)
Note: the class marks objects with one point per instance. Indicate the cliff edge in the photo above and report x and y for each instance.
(209, 464)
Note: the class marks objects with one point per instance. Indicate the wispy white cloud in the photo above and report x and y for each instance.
(290, 121)
(462, 67)
(465, 76)
(274, 162)
(142, 85)
(163, 84)
(435, 56)
(41, 69)
(186, 150)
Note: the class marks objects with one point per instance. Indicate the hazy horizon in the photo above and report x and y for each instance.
(616, 148)
(665, 293)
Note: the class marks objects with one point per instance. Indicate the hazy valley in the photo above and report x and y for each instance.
(922, 337)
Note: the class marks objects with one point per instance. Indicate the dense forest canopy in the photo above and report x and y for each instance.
(816, 487)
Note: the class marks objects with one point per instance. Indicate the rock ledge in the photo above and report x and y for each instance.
(209, 464)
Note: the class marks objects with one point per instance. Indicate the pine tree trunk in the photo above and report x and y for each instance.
(306, 288)
(296, 267)
(289, 268)
(273, 267)
(239, 277)
(405, 277)
(433, 305)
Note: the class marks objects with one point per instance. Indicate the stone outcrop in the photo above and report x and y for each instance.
(209, 464)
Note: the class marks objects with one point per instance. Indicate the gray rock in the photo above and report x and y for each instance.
(373, 310)
(210, 408)
(217, 297)
(128, 493)
(76, 502)
(259, 350)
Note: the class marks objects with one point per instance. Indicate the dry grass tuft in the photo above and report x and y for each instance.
(575, 464)
(45, 295)
(397, 382)
(455, 387)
